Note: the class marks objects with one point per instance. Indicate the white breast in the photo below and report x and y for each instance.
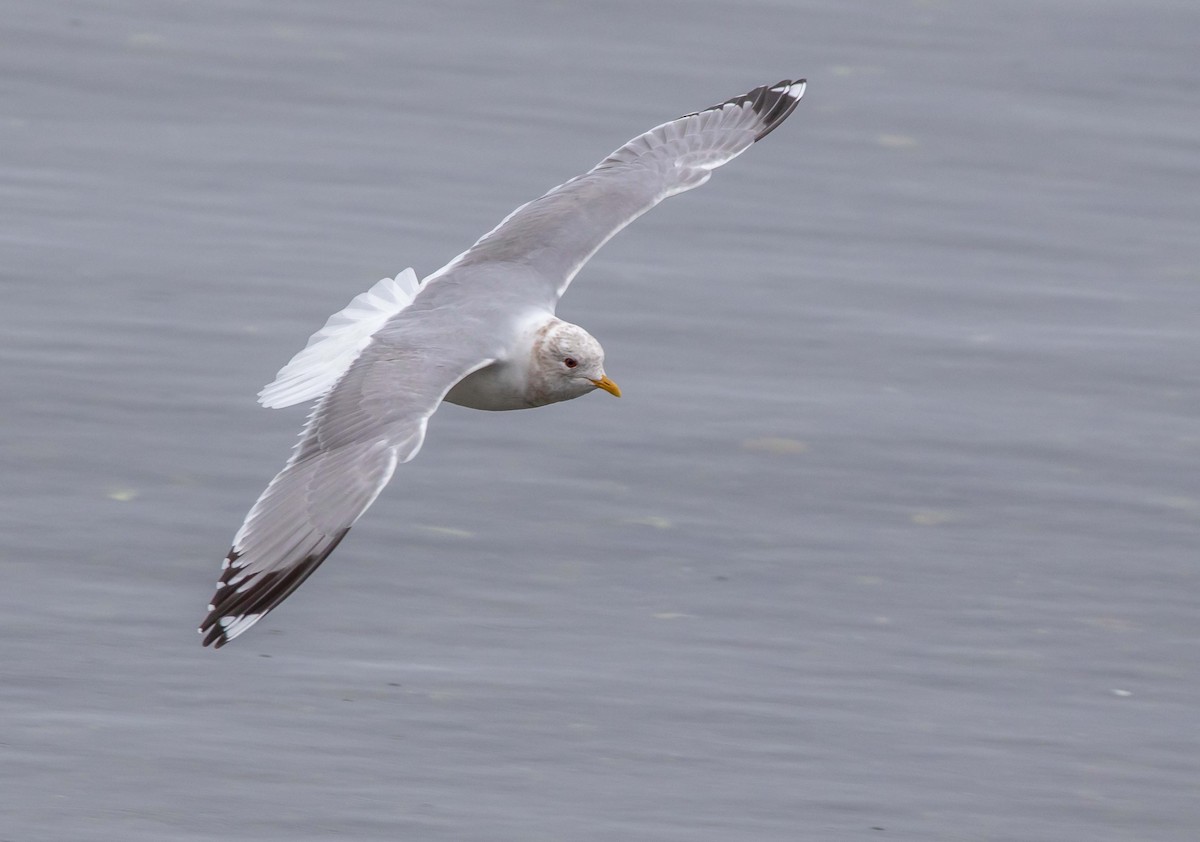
(499, 386)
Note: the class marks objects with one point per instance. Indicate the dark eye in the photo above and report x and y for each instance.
(570, 362)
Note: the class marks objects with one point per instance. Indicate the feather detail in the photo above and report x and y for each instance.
(332, 349)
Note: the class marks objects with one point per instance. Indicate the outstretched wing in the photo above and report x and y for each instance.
(555, 235)
(375, 416)
(372, 420)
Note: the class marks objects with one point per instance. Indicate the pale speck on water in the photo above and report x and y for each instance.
(892, 536)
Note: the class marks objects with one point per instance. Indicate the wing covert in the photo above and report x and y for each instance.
(371, 421)
(556, 234)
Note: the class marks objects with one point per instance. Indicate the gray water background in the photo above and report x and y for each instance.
(893, 535)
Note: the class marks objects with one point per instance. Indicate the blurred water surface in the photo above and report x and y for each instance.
(893, 535)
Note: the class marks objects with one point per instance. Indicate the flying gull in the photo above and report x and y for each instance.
(479, 332)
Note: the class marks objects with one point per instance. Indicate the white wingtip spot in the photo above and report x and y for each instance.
(234, 625)
(795, 90)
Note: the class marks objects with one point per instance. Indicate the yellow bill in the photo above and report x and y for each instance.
(608, 386)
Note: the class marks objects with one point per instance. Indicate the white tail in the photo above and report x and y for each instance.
(331, 350)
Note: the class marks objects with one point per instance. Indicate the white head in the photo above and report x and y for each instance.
(567, 362)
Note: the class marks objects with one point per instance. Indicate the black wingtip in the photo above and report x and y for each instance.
(266, 592)
(215, 637)
(775, 103)
(772, 103)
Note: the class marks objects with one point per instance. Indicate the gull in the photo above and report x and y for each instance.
(479, 332)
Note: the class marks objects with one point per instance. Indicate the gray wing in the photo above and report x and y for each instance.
(372, 420)
(555, 235)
